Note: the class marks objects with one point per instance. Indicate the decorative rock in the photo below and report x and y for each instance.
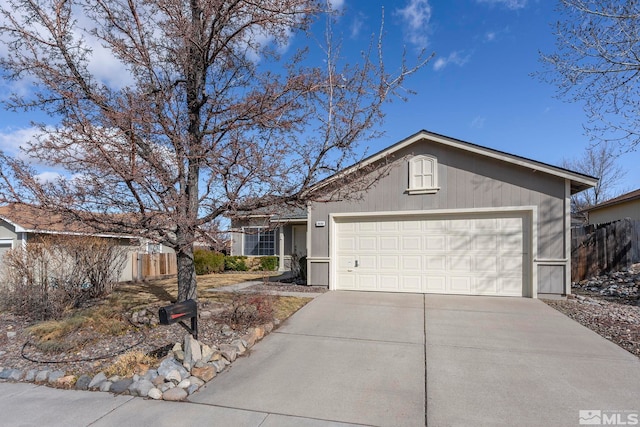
(205, 314)
(239, 345)
(177, 347)
(184, 383)
(121, 386)
(11, 334)
(206, 352)
(55, 376)
(150, 375)
(170, 364)
(97, 381)
(166, 386)
(175, 394)
(259, 332)
(4, 374)
(199, 364)
(173, 375)
(159, 380)
(105, 385)
(229, 352)
(155, 394)
(83, 382)
(114, 378)
(192, 389)
(216, 356)
(31, 375)
(67, 381)
(192, 351)
(206, 373)
(179, 355)
(196, 380)
(226, 330)
(219, 365)
(268, 327)
(141, 388)
(42, 376)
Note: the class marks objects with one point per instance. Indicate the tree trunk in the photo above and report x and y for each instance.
(186, 274)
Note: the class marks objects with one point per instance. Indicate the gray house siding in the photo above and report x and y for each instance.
(466, 181)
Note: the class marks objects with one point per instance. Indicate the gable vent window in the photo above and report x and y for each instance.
(423, 175)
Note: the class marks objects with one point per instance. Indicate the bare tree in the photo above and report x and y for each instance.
(598, 161)
(597, 62)
(207, 117)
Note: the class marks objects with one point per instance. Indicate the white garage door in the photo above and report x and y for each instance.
(448, 255)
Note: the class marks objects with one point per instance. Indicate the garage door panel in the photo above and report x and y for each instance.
(435, 243)
(435, 284)
(367, 262)
(460, 263)
(411, 243)
(460, 284)
(347, 243)
(457, 255)
(390, 243)
(389, 282)
(411, 283)
(390, 262)
(486, 264)
(411, 263)
(436, 262)
(367, 281)
(367, 243)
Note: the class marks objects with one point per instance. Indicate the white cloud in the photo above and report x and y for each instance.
(455, 58)
(478, 122)
(490, 36)
(509, 4)
(48, 177)
(11, 140)
(356, 26)
(335, 5)
(416, 16)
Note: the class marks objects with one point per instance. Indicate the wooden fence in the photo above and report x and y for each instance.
(150, 266)
(598, 249)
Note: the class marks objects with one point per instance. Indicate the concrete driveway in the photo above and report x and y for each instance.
(385, 360)
(371, 358)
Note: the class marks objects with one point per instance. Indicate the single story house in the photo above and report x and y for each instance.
(20, 223)
(448, 217)
(624, 206)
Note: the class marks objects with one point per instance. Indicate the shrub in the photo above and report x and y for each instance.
(55, 273)
(249, 310)
(235, 263)
(208, 262)
(303, 267)
(269, 263)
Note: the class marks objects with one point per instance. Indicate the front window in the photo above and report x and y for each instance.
(259, 241)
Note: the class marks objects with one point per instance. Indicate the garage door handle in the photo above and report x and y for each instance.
(356, 263)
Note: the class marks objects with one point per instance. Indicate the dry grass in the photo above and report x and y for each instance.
(130, 363)
(165, 291)
(106, 317)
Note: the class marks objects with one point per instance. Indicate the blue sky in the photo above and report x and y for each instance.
(478, 88)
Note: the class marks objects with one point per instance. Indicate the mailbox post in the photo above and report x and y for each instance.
(178, 313)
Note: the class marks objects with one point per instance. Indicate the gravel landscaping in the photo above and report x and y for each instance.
(609, 305)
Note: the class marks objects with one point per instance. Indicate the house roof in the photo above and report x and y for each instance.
(579, 181)
(32, 219)
(627, 197)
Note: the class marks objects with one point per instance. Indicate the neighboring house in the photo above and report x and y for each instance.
(21, 223)
(449, 217)
(624, 206)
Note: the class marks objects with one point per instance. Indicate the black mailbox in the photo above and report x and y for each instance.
(178, 312)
